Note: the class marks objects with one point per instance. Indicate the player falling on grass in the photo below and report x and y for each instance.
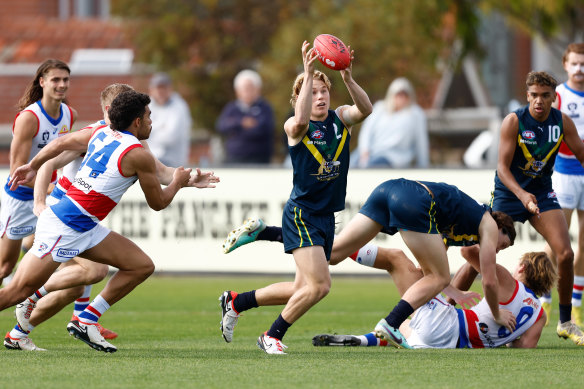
(568, 176)
(318, 140)
(68, 283)
(115, 159)
(437, 324)
(429, 217)
(529, 142)
(44, 116)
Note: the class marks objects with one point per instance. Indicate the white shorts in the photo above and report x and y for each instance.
(62, 242)
(570, 190)
(434, 325)
(17, 219)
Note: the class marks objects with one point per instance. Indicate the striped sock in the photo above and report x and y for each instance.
(369, 340)
(36, 296)
(93, 312)
(82, 302)
(18, 333)
(577, 291)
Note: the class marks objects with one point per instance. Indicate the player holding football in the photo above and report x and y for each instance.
(529, 142)
(318, 140)
(438, 324)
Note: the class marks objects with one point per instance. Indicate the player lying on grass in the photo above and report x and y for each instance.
(429, 216)
(438, 324)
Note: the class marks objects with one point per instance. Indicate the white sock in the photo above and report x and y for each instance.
(366, 255)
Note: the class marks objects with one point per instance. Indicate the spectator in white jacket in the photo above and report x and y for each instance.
(170, 139)
(396, 133)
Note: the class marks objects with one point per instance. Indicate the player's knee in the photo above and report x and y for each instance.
(565, 257)
(96, 274)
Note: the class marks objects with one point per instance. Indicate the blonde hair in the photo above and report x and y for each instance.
(318, 75)
(111, 91)
(539, 273)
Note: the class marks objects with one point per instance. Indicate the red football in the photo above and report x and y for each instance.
(332, 52)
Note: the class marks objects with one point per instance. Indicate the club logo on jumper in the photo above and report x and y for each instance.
(80, 182)
(328, 170)
(572, 107)
(67, 253)
(21, 230)
(318, 134)
(64, 130)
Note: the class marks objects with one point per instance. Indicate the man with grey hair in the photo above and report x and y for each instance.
(170, 139)
(247, 123)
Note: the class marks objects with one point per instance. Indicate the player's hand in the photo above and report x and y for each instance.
(506, 319)
(468, 299)
(38, 208)
(529, 201)
(308, 58)
(22, 175)
(182, 176)
(203, 179)
(347, 73)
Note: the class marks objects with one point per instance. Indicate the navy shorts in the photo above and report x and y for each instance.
(505, 201)
(402, 204)
(301, 228)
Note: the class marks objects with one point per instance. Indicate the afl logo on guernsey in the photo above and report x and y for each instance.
(318, 134)
(528, 134)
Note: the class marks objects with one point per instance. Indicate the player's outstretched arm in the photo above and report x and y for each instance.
(75, 141)
(142, 163)
(362, 104)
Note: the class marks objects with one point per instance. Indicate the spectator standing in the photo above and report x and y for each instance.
(396, 133)
(247, 123)
(170, 140)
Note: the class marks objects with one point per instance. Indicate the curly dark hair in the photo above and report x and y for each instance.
(505, 223)
(126, 107)
(541, 78)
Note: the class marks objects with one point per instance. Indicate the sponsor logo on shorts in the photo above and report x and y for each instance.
(67, 253)
(552, 195)
(21, 230)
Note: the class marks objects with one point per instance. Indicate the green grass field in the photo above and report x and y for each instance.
(170, 338)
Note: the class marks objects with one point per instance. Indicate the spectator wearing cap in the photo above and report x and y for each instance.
(170, 138)
(396, 133)
(247, 123)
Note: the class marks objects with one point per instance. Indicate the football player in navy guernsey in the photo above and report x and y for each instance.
(318, 141)
(529, 142)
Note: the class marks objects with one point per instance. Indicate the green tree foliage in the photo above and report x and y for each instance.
(204, 43)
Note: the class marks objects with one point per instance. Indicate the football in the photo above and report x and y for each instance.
(332, 52)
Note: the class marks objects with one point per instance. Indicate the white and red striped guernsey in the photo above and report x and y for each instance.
(99, 184)
(71, 169)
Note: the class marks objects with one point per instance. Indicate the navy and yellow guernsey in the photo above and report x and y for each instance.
(321, 164)
(535, 154)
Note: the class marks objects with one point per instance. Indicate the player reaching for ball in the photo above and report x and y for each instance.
(318, 141)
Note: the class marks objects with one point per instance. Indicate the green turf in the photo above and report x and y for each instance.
(169, 338)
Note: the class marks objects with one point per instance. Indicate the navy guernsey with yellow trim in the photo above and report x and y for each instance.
(321, 165)
(537, 146)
